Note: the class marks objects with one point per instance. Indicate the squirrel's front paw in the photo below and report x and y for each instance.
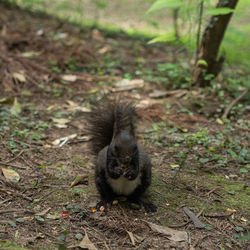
(115, 173)
(130, 175)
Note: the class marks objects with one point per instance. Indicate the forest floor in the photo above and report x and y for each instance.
(51, 72)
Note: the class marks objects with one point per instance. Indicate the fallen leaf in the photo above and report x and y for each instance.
(229, 210)
(10, 174)
(194, 218)
(40, 32)
(20, 77)
(169, 232)
(16, 108)
(39, 218)
(158, 94)
(79, 179)
(86, 243)
(53, 216)
(173, 165)
(131, 236)
(72, 106)
(45, 211)
(69, 78)
(219, 121)
(20, 220)
(12, 223)
(244, 237)
(243, 219)
(57, 141)
(61, 120)
(79, 236)
(103, 50)
(31, 53)
(125, 84)
(61, 125)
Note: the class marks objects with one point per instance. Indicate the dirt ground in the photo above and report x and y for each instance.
(51, 72)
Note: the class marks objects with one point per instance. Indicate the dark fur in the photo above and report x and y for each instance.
(106, 118)
(113, 141)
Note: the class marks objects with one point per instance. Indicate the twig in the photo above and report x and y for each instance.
(239, 224)
(240, 127)
(23, 196)
(211, 191)
(15, 157)
(11, 210)
(11, 165)
(30, 145)
(225, 235)
(180, 225)
(217, 215)
(200, 240)
(2, 202)
(228, 109)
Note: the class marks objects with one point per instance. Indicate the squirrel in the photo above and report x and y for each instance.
(122, 167)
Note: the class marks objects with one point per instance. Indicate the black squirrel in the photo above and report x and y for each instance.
(122, 167)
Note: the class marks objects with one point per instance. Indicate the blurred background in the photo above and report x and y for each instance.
(132, 16)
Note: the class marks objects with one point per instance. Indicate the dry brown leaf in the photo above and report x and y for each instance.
(125, 84)
(79, 179)
(86, 243)
(103, 50)
(61, 125)
(158, 94)
(169, 232)
(61, 120)
(20, 77)
(69, 78)
(10, 174)
(229, 210)
(45, 211)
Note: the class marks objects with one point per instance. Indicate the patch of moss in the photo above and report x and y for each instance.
(235, 195)
(80, 161)
(169, 197)
(67, 195)
(8, 245)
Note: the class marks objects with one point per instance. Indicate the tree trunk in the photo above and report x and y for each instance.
(208, 50)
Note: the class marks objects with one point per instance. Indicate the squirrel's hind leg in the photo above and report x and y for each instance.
(106, 192)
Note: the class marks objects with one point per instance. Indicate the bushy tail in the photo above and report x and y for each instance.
(107, 119)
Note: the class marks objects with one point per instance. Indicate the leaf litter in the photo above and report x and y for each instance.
(75, 91)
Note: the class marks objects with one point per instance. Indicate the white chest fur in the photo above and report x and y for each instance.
(123, 186)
